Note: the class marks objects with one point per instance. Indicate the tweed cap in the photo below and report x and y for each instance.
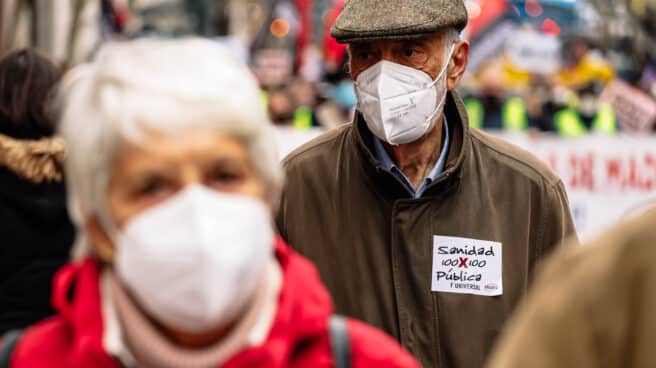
(366, 20)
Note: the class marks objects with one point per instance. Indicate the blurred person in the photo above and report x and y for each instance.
(484, 106)
(344, 94)
(304, 96)
(493, 107)
(581, 65)
(277, 48)
(338, 109)
(340, 99)
(281, 106)
(173, 180)
(412, 206)
(36, 232)
(648, 80)
(303, 91)
(599, 314)
(540, 106)
(583, 113)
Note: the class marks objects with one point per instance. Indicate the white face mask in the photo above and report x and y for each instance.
(400, 104)
(195, 261)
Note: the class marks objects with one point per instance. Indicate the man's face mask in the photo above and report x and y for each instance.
(400, 104)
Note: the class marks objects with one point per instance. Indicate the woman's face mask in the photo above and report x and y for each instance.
(190, 228)
(195, 261)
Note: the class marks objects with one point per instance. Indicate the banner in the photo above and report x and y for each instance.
(635, 110)
(607, 178)
(534, 52)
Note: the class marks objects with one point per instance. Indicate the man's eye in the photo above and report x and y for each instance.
(411, 55)
(364, 55)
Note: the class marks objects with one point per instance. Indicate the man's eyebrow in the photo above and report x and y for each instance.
(415, 41)
(360, 45)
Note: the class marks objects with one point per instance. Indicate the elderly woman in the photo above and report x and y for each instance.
(173, 179)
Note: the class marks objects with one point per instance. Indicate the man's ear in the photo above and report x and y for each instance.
(99, 241)
(457, 64)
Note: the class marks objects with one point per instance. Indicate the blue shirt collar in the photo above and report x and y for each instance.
(384, 158)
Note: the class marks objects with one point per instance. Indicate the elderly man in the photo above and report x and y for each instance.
(418, 224)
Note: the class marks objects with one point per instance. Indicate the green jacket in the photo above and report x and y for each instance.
(373, 243)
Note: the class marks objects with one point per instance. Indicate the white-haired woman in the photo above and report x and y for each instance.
(173, 177)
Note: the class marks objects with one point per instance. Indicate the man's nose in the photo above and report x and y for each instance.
(388, 55)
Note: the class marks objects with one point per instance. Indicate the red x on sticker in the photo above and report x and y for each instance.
(463, 262)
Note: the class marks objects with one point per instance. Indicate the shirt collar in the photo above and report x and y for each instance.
(388, 163)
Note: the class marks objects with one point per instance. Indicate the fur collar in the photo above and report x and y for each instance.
(37, 161)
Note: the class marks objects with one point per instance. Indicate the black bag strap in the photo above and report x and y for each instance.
(7, 345)
(339, 340)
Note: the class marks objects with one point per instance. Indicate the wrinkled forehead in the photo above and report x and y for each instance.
(419, 40)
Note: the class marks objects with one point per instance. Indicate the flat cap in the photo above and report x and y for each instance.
(367, 20)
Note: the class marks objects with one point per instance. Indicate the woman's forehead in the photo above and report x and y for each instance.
(180, 145)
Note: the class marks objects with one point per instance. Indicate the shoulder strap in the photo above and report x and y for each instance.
(7, 345)
(339, 340)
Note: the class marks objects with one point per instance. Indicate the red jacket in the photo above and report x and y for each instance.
(298, 338)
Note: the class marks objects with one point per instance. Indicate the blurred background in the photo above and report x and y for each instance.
(573, 81)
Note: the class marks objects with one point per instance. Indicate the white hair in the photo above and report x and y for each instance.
(155, 85)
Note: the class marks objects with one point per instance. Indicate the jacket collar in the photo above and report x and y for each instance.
(456, 117)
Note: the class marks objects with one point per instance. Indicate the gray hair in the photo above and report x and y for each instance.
(451, 36)
(155, 85)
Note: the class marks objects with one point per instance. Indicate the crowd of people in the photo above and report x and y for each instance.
(147, 220)
(580, 97)
(590, 85)
(577, 98)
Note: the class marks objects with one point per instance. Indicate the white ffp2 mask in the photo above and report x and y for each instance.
(400, 104)
(194, 261)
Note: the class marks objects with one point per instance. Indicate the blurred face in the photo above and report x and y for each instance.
(281, 108)
(574, 54)
(303, 92)
(426, 54)
(158, 167)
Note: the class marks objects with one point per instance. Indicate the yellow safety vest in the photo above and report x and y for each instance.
(513, 114)
(264, 97)
(303, 118)
(475, 112)
(605, 121)
(569, 123)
